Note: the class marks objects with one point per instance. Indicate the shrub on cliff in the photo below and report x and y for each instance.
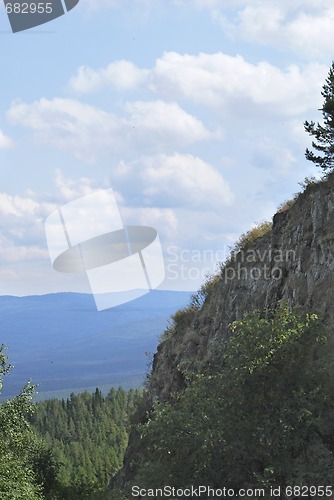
(263, 418)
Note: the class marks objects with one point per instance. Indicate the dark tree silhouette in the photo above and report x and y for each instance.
(323, 142)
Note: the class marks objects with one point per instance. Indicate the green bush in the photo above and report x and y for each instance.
(262, 418)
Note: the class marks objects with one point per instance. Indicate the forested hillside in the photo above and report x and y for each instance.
(61, 449)
(87, 435)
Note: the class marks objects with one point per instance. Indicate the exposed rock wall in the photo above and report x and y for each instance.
(294, 261)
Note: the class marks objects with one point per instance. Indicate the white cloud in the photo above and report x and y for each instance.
(67, 124)
(69, 189)
(17, 205)
(21, 229)
(302, 26)
(222, 82)
(11, 251)
(161, 122)
(5, 141)
(85, 130)
(122, 75)
(22, 219)
(22, 241)
(187, 181)
(165, 220)
(218, 79)
(173, 181)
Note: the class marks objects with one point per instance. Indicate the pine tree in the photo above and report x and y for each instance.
(323, 134)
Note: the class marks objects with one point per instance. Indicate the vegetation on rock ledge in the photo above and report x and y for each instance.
(263, 417)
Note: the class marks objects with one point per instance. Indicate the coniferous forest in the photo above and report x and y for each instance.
(87, 434)
(62, 449)
(261, 417)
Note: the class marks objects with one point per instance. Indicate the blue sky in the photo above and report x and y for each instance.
(192, 111)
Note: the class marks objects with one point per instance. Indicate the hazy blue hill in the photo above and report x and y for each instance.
(62, 343)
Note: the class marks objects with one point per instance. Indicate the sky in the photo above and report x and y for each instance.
(192, 111)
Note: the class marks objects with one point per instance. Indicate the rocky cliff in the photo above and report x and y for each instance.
(293, 260)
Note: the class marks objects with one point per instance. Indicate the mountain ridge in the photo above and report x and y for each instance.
(61, 342)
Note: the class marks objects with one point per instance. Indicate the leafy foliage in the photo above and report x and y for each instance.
(60, 449)
(264, 417)
(323, 134)
(19, 445)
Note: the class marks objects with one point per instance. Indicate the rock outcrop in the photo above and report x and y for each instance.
(293, 261)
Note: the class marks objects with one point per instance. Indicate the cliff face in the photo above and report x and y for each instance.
(293, 261)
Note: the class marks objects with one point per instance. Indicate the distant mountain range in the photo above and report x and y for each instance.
(64, 345)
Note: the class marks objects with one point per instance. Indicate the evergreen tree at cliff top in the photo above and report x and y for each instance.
(323, 135)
